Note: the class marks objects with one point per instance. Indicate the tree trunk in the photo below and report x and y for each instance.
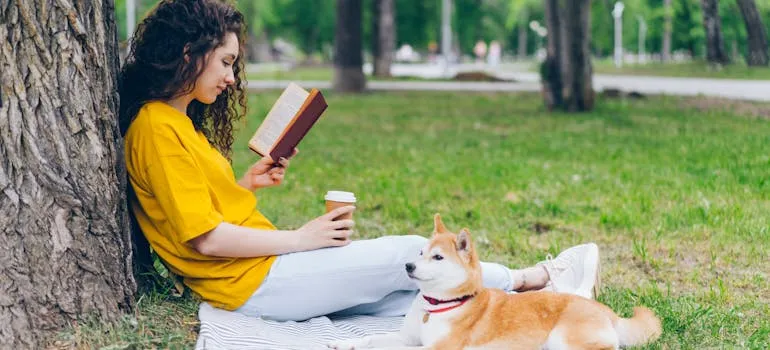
(715, 46)
(308, 38)
(668, 26)
(348, 58)
(567, 71)
(264, 47)
(523, 30)
(550, 70)
(383, 36)
(755, 30)
(258, 47)
(65, 249)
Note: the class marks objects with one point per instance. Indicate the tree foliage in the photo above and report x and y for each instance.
(309, 24)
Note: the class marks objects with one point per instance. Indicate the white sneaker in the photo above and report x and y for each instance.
(574, 271)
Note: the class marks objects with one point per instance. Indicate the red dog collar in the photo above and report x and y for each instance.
(434, 301)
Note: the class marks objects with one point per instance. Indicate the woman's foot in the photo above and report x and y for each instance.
(575, 271)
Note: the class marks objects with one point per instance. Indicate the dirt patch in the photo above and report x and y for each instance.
(617, 93)
(698, 269)
(478, 76)
(745, 108)
(541, 227)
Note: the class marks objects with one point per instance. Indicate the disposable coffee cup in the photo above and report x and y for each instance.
(336, 199)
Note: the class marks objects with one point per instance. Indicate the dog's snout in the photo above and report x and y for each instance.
(410, 267)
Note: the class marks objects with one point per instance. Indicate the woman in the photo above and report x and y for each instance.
(180, 93)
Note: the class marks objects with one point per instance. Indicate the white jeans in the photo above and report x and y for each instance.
(366, 277)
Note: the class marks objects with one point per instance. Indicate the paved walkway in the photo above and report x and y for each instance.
(374, 85)
(752, 90)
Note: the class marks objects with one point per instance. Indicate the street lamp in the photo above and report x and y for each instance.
(617, 12)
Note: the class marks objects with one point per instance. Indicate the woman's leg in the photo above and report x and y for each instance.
(367, 278)
(320, 282)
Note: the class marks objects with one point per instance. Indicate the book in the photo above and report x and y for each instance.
(288, 121)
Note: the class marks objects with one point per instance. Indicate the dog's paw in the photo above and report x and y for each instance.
(350, 344)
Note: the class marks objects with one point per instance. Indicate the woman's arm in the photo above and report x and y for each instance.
(228, 240)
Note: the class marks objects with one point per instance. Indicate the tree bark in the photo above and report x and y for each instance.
(348, 58)
(65, 249)
(258, 47)
(668, 26)
(755, 30)
(567, 71)
(715, 46)
(383, 36)
(550, 70)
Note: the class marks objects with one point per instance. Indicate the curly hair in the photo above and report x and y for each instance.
(156, 67)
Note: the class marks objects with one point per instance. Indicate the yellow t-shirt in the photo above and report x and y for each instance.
(184, 188)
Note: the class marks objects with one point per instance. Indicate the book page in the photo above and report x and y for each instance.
(279, 117)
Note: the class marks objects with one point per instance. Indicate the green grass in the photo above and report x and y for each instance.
(695, 69)
(676, 197)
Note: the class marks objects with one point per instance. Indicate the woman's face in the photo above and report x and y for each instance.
(218, 73)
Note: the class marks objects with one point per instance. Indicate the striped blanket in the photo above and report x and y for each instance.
(222, 329)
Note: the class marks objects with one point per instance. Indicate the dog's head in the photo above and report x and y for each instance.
(448, 265)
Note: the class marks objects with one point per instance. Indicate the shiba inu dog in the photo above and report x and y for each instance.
(454, 311)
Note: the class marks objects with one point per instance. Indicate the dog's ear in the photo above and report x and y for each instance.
(438, 226)
(464, 245)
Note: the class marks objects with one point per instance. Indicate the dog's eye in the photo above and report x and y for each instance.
(421, 253)
(438, 257)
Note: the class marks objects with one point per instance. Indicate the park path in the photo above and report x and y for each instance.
(750, 90)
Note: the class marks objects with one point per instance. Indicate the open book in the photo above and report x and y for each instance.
(290, 118)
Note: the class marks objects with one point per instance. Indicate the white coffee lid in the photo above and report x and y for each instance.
(340, 196)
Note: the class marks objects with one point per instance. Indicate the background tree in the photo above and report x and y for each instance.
(667, 30)
(523, 33)
(567, 71)
(602, 26)
(261, 18)
(674, 26)
(688, 33)
(419, 22)
(475, 20)
(348, 58)
(383, 36)
(520, 13)
(142, 7)
(308, 23)
(467, 18)
(715, 46)
(757, 33)
(65, 251)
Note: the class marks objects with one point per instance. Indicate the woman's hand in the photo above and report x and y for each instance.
(323, 231)
(265, 173)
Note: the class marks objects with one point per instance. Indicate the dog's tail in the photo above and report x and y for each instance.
(642, 328)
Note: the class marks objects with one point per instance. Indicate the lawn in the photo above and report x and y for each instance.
(695, 69)
(675, 195)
